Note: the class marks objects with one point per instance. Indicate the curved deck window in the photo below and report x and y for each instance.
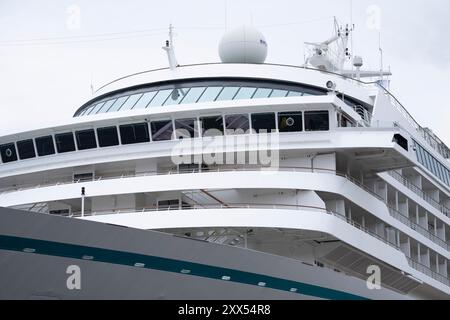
(195, 91)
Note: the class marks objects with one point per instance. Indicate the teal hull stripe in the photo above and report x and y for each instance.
(72, 251)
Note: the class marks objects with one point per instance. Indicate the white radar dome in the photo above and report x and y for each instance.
(243, 45)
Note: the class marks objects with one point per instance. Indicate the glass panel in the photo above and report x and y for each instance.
(227, 93)
(129, 104)
(245, 93)
(64, 142)
(26, 149)
(86, 139)
(88, 110)
(134, 133)
(263, 122)
(262, 93)
(193, 95)
(8, 152)
(107, 137)
(176, 96)
(106, 106)
(145, 100)
(295, 94)
(45, 146)
(279, 94)
(162, 130)
(186, 128)
(212, 126)
(97, 107)
(160, 98)
(210, 94)
(118, 104)
(317, 121)
(82, 112)
(237, 124)
(290, 122)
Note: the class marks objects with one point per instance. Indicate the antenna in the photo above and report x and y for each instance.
(381, 54)
(169, 48)
(92, 84)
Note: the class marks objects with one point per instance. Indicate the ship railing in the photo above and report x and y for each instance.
(414, 264)
(394, 213)
(411, 186)
(428, 271)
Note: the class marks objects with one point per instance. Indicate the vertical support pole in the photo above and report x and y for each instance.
(83, 194)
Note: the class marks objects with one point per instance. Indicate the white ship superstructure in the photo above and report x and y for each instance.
(353, 180)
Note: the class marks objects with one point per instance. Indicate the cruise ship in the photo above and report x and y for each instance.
(231, 180)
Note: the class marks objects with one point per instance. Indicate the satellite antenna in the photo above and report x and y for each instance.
(169, 48)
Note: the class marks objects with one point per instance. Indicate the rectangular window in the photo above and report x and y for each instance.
(290, 122)
(210, 94)
(86, 139)
(162, 130)
(132, 100)
(107, 137)
(186, 128)
(145, 100)
(212, 126)
(237, 124)
(8, 152)
(227, 93)
(176, 96)
(65, 142)
(295, 94)
(25, 149)
(263, 122)
(45, 146)
(317, 121)
(134, 133)
(160, 98)
(193, 95)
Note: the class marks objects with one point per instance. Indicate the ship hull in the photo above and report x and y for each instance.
(50, 257)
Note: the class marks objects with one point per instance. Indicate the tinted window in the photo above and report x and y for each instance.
(107, 137)
(278, 94)
(210, 94)
(295, 94)
(262, 93)
(145, 100)
(86, 139)
(134, 133)
(290, 122)
(97, 107)
(245, 93)
(237, 124)
(160, 98)
(129, 104)
(65, 142)
(212, 126)
(106, 106)
(176, 96)
(227, 93)
(26, 149)
(118, 104)
(8, 152)
(162, 130)
(193, 95)
(263, 122)
(316, 121)
(45, 146)
(186, 128)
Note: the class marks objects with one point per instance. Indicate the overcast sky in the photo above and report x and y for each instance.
(51, 51)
